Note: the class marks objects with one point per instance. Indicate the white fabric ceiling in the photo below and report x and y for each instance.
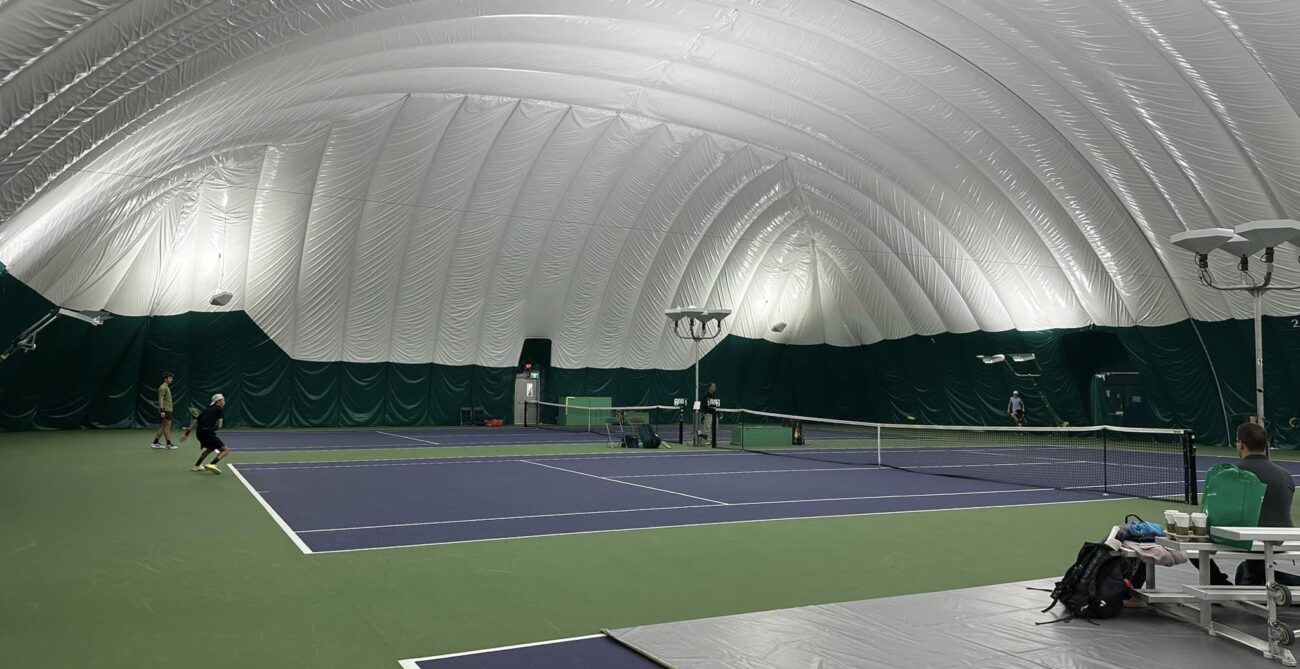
(435, 181)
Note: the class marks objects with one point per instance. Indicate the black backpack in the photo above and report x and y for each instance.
(1097, 584)
(648, 437)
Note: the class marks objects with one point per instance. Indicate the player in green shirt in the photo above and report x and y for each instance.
(165, 410)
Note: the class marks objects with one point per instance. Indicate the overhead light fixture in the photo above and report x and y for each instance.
(714, 316)
(1242, 242)
(1239, 246)
(778, 327)
(92, 317)
(1267, 234)
(1010, 358)
(1202, 242)
(220, 298)
(679, 314)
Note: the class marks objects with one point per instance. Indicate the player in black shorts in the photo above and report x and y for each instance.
(205, 427)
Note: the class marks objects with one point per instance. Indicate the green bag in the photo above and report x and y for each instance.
(1232, 498)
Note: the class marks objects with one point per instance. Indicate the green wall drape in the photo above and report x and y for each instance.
(1198, 375)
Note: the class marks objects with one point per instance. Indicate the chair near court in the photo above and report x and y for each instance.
(473, 416)
(614, 430)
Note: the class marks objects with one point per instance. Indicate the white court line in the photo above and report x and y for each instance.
(637, 485)
(394, 445)
(725, 522)
(402, 436)
(674, 508)
(1137, 484)
(479, 459)
(297, 541)
(413, 663)
(1031, 457)
(751, 471)
(997, 464)
(1117, 464)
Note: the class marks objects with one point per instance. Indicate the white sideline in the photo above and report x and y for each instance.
(413, 663)
(293, 536)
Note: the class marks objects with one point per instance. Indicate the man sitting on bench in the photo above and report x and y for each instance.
(1252, 447)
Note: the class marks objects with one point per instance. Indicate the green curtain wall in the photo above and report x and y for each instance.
(107, 376)
(918, 379)
(1198, 375)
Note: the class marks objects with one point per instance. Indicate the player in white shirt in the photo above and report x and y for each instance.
(1016, 407)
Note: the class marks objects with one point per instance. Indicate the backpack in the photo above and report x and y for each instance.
(648, 437)
(1097, 584)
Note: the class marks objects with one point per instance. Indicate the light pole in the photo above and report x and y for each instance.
(696, 324)
(1243, 241)
(1008, 358)
(26, 340)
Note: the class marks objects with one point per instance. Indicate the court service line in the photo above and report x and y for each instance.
(297, 540)
(402, 436)
(750, 471)
(672, 508)
(1047, 460)
(637, 485)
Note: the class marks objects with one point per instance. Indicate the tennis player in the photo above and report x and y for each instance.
(165, 411)
(709, 414)
(205, 427)
(1016, 407)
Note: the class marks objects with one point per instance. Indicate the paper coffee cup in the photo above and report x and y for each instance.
(1169, 519)
(1199, 524)
(1182, 523)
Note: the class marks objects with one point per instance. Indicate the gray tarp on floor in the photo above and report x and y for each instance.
(979, 627)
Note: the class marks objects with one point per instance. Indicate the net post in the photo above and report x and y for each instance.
(1105, 460)
(1189, 467)
(713, 431)
(879, 454)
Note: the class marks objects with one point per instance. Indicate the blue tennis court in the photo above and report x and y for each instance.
(359, 505)
(337, 506)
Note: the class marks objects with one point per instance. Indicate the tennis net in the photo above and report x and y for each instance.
(1136, 462)
(666, 421)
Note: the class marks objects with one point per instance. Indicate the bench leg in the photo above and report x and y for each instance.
(1203, 568)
